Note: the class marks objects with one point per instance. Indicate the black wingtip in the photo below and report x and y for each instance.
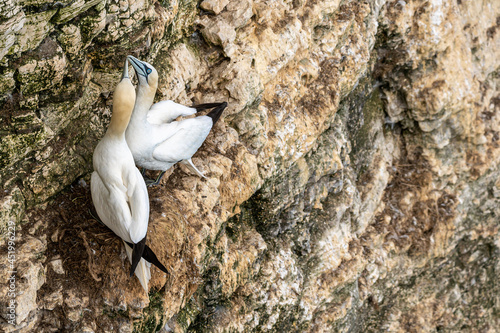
(215, 113)
(201, 107)
(137, 253)
(150, 256)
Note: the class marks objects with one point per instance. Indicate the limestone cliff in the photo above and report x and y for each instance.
(353, 182)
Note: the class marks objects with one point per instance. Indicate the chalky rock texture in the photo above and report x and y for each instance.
(353, 182)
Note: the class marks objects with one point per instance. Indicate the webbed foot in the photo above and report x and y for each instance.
(153, 182)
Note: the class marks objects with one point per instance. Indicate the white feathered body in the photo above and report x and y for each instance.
(120, 196)
(157, 142)
(167, 111)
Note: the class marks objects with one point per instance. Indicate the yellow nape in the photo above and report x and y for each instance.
(123, 105)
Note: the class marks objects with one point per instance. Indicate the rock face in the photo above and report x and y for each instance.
(353, 182)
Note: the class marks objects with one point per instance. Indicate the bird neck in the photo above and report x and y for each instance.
(118, 124)
(145, 98)
(123, 104)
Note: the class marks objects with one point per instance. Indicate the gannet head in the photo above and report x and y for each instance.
(124, 95)
(123, 103)
(146, 73)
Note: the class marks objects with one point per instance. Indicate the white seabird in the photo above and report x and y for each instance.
(156, 140)
(118, 190)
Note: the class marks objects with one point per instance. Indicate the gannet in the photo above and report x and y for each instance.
(118, 190)
(156, 140)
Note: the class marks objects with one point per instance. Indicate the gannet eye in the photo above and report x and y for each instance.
(148, 70)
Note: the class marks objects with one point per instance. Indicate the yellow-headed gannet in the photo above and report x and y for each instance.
(156, 140)
(118, 189)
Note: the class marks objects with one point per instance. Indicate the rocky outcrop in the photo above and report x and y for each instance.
(353, 182)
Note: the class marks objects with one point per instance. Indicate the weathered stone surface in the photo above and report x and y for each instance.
(352, 182)
(70, 39)
(214, 6)
(36, 28)
(29, 275)
(7, 82)
(12, 209)
(74, 9)
(8, 30)
(45, 70)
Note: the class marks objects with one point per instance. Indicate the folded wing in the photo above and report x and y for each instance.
(184, 141)
(111, 206)
(167, 111)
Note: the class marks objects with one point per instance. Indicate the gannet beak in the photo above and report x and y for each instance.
(125, 70)
(136, 63)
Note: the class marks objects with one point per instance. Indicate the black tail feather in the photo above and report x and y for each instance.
(150, 257)
(201, 107)
(215, 113)
(137, 253)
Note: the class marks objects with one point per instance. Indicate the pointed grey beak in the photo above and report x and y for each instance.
(137, 64)
(125, 70)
